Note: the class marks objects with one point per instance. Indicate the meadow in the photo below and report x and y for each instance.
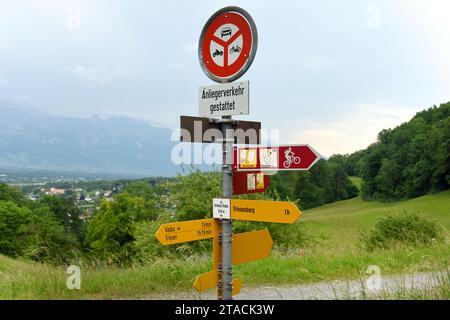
(336, 254)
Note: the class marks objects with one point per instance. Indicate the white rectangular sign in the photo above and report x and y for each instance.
(226, 99)
(221, 208)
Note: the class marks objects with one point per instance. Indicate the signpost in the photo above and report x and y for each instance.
(250, 182)
(227, 47)
(244, 251)
(209, 280)
(244, 248)
(224, 99)
(289, 157)
(251, 246)
(221, 208)
(226, 50)
(185, 231)
(197, 129)
(265, 211)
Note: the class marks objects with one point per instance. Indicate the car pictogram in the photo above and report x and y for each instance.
(226, 32)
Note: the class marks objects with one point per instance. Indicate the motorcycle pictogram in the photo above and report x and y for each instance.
(217, 53)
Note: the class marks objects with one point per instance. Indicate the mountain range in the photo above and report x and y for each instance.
(32, 139)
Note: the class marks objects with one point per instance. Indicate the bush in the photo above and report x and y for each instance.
(48, 241)
(405, 229)
(109, 234)
(192, 194)
(34, 234)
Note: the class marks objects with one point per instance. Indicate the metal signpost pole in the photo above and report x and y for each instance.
(227, 185)
(225, 53)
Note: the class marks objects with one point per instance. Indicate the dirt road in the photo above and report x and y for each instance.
(369, 287)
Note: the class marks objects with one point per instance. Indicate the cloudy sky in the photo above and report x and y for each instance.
(328, 73)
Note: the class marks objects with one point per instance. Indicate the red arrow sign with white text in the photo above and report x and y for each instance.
(290, 157)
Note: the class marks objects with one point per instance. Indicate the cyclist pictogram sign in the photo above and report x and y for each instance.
(227, 44)
(290, 157)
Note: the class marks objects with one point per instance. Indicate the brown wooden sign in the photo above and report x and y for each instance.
(198, 129)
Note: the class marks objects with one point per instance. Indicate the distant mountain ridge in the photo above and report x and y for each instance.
(30, 138)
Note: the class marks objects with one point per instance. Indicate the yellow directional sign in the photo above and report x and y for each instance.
(236, 286)
(265, 211)
(250, 246)
(246, 247)
(209, 280)
(185, 231)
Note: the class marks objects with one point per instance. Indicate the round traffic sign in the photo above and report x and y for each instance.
(227, 44)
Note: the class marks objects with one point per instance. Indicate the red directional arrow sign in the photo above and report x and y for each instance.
(290, 157)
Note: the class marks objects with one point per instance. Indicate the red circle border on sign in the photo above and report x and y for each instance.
(246, 32)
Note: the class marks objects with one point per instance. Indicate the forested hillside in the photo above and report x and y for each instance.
(407, 161)
(325, 182)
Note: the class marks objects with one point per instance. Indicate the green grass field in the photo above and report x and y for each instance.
(341, 223)
(336, 228)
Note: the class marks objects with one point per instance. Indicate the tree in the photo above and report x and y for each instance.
(109, 234)
(14, 222)
(372, 161)
(326, 182)
(388, 178)
(409, 160)
(34, 234)
(69, 216)
(47, 239)
(10, 194)
(192, 194)
(441, 159)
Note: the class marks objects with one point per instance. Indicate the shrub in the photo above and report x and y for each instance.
(404, 229)
(34, 234)
(47, 240)
(109, 235)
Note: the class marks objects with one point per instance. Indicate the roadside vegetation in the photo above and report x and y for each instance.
(336, 254)
(400, 223)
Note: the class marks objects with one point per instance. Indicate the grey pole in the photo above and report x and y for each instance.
(227, 190)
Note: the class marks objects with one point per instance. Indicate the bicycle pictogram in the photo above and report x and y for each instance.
(235, 49)
(290, 158)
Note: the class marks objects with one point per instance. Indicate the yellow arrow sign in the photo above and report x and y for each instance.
(209, 280)
(246, 247)
(250, 246)
(265, 211)
(185, 231)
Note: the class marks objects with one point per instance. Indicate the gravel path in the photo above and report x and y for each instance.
(354, 289)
